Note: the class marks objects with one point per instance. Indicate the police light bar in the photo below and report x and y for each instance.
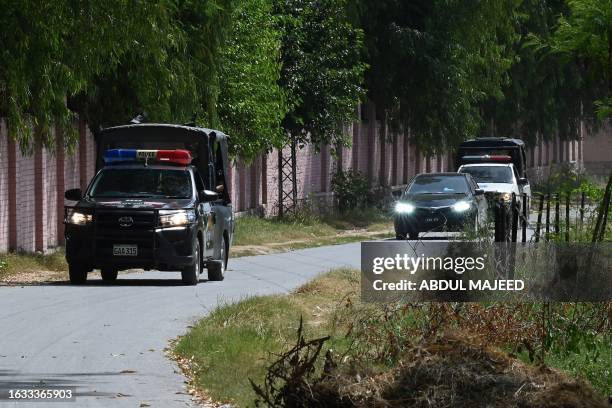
(181, 157)
(488, 158)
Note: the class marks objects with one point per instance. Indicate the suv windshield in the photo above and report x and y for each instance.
(489, 174)
(439, 185)
(142, 183)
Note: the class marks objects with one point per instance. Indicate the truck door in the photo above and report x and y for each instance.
(207, 217)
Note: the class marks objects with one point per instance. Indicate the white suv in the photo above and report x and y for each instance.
(499, 180)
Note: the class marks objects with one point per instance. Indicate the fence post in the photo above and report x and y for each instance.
(547, 236)
(567, 217)
(582, 199)
(525, 218)
(515, 215)
(539, 223)
(557, 199)
(500, 221)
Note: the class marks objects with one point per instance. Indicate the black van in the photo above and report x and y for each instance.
(159, 200)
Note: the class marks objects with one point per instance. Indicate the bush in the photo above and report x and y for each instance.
(351, 189)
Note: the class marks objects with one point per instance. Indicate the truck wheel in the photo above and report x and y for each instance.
(216, 268)
(109, 274)
(191, 274)
(413, 235)
(77, 274)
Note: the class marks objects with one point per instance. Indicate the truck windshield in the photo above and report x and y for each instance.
(489, 174)
(142, 183)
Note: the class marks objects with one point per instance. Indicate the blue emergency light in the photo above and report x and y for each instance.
(119, 155)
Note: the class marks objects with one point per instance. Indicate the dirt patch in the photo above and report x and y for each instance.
(452, 371)
(33, 277)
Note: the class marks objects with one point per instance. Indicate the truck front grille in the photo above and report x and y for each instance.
(112, 228)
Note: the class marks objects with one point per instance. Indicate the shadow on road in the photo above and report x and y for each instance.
(100, 283)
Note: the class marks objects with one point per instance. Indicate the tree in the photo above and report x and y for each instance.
(107, 61)
(322, 71)
(251, 102)
(546, 96)
(433, 62)
(585, 35)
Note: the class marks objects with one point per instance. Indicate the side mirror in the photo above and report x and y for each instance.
(396, 194)
(479, 191)
(523, 181)
(74, 194)
(208, 196)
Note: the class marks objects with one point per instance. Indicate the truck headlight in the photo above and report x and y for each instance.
(505, 196)
(404, 208)
(461, 206)
(76, 217)
(172, 218)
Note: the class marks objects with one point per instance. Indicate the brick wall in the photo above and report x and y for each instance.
(4, 209)
(597, 151)
(32, 199)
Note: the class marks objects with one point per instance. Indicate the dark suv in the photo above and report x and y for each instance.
(153, 208)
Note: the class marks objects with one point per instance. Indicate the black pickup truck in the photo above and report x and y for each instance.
(159, 200)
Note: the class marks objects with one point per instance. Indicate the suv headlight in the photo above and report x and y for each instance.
(171, 218)
(461, 206)
(76, 217)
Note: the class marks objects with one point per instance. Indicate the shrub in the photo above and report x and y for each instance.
(351, 189)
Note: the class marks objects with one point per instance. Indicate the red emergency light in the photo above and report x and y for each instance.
(182, 157)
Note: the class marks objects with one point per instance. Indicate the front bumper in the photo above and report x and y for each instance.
(425, 220)
(158, 248)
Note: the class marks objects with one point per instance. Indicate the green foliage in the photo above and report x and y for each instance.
(566, 179)
(322, 69)
(351, 189)
(546, 96)
(251, 103)
(433, 63)
(107, 60)
(586, 34)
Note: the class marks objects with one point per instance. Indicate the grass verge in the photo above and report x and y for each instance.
(237, 342)
(14, 265)
(255, 235)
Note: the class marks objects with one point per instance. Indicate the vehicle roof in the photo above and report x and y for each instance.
(493, 142)
(487, 164)
(168, 126)
(445, 174)
(154, 166)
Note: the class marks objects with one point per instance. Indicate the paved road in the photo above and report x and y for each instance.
(85, 336)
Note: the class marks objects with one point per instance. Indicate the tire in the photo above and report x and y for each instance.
(191, 274)
(400, 237)
(413, 235)
(216, 268)
(77, 274)
(109, 274)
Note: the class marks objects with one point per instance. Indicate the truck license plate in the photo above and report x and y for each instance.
(125, 250)
(433, 219)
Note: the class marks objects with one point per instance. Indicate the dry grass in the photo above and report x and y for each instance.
(26, 267)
